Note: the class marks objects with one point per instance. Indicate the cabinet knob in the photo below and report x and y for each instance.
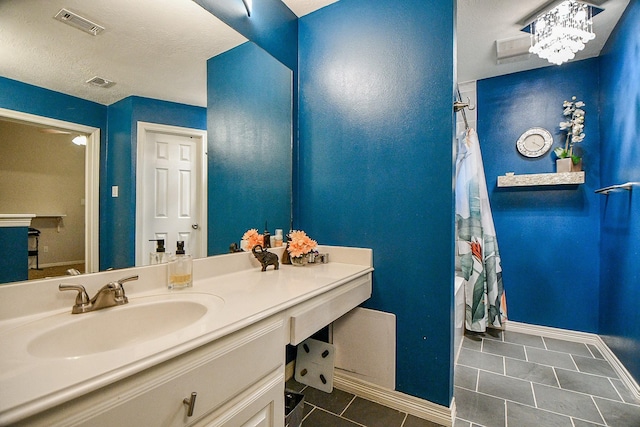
(191, 403)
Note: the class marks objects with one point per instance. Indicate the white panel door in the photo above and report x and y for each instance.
(171, 193)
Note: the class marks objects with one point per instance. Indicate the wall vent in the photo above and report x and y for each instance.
(78, 22)
(513, 49)
(100, 82)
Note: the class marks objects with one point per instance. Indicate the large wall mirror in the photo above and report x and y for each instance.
(173, 64)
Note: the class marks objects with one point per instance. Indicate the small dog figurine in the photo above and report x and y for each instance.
(265, 257)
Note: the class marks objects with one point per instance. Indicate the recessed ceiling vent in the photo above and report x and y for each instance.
(100, 82)
(79, 22)
(513, 49)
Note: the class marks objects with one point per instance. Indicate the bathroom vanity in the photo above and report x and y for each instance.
(212, 355)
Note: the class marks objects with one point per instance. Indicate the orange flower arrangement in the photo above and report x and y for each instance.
(253, 238)
(300, 244)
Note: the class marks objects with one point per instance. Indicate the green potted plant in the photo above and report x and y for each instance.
(567, 160)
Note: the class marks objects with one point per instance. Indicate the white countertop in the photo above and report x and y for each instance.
(29, 384)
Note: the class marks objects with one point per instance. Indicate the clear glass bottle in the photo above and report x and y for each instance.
(180, 269)
(160, 256)
(278, 238)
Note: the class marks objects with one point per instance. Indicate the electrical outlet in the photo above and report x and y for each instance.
(45, 249)
(114, 191)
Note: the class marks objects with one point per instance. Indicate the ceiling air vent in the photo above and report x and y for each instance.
(513, 49)
(79, 22)
(100, 82)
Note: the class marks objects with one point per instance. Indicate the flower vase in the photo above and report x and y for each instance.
(564, 165)
(299, 261)
(576, 167)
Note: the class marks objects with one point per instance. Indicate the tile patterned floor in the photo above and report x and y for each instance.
(519, 380)
(512, 380)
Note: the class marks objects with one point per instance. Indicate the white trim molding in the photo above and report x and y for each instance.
(16, 220)
(412, 405)
(585, 338)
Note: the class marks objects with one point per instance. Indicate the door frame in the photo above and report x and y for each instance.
(200, 137)
(91, 180)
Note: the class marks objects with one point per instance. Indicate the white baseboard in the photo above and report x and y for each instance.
(393, 399)
(585, 338)
(58, 264)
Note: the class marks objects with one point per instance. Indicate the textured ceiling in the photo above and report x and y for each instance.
(158, 48)
(151, 48)
(481, 22)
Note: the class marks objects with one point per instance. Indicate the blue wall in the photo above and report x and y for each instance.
(375, 166)
(620, 162)
(249, 95)
(118, 135)
(274, 28)
(18, 96)
(118, 215)
(15, 246)
(548, 237)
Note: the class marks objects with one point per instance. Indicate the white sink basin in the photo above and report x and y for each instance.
(142, 319)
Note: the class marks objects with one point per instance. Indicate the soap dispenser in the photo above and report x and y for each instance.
(266, 240)
(160, 256)
(180, 269)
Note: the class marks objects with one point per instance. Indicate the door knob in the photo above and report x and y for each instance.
(195, 226)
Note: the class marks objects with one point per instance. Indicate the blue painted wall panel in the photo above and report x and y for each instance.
(18, 96)
(548, 237)
(14, 261)
(249, 129)
(620, 159)
(118, 215)
(375, 165)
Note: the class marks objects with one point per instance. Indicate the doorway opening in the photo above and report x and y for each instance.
(79, 216)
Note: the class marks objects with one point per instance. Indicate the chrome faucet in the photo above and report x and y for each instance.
(109, 295)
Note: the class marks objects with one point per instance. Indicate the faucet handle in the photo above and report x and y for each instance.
(128, 279)
(120, 294)
(83, 304)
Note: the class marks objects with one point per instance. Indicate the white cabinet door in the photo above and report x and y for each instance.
(260, 406)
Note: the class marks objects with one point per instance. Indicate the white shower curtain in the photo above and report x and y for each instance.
(477, 246)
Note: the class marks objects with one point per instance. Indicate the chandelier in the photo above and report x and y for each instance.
(558, 34)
